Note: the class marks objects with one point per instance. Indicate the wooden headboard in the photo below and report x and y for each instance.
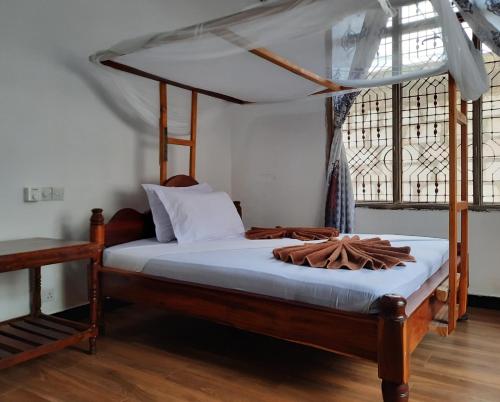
(128, 224)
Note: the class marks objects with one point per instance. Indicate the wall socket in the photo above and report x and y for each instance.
(35, 194)
(46, 193)
(47, 295)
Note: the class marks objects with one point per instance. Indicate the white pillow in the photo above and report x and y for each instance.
(199, 216)
(163, 226)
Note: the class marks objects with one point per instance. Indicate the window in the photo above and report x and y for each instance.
(397, 138)
(424, 140)
(490, 138)
(368, 141)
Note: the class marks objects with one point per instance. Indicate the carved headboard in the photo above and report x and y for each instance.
(128, 224)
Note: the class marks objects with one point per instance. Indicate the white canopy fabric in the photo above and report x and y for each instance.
(347, 43)
(483, 16)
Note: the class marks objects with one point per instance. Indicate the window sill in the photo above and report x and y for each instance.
(423, 207)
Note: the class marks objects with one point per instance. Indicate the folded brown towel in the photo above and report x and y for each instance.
(348, 252)
(304, 234)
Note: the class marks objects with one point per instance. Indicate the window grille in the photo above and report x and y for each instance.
(368, 139)
(491, 135)
(413, 117)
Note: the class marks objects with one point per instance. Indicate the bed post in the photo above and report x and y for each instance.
(463, 289)
(194, 129)
(457, 299)
(393, 349)
(165, 140)
(97, 228)
(163, 132)
(97, 235)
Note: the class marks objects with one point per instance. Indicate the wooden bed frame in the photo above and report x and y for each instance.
(387, 338)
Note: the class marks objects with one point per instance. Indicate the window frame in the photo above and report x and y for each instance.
(397, 203)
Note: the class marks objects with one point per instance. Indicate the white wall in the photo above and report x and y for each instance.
(484, 239)
(58, 127)
(278, 156)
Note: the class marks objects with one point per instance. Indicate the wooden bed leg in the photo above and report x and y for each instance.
(393, 350)
(94, 304)
(395, 392)
(97, 235)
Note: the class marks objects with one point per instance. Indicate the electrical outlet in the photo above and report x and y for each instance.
(47, 295)
(46, 193)
(58, 193)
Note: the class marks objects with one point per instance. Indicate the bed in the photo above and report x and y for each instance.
(248, 266)
(327, 48)
(378, 315)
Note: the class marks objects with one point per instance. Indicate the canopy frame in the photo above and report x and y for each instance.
(396, 330)
(135, 71)
(458, 283)
(261, 52)
(165, 140)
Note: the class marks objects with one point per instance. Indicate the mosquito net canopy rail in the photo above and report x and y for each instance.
(289, 49)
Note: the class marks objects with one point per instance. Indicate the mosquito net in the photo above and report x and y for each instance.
(289, 49)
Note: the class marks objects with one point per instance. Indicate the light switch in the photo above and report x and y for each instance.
(32, 194)
(35, 194)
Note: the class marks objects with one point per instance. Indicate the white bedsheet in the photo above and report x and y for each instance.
(248, 265)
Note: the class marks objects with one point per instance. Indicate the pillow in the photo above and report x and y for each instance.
(163, 226)
(199, 216)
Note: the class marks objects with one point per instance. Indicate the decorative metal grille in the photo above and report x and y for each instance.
(425, 141)
(423, 133)
(368, 136)
(368, 140)
(491, 135)
(419, 47)
(421, 38)
(418, 11)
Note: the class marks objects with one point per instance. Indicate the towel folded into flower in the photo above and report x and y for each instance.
(298, 233)
(349, 252)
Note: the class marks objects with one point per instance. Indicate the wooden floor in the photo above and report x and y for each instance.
(150, 355)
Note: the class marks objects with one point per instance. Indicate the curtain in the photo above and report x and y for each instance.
(340, 202)
(483, 16)
(360, 41)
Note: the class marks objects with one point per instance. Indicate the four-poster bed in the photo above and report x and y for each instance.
(387, 337)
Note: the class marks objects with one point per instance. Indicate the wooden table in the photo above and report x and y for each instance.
(37, 334)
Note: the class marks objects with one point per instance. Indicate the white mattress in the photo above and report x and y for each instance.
(248, 265)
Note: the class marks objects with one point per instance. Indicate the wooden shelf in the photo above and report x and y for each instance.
(443, 290)
(32, 336)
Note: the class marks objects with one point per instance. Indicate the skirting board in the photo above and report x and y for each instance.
(82, 313)
(488, 302)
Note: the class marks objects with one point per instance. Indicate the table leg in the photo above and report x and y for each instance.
(36, 286)
(93, 299)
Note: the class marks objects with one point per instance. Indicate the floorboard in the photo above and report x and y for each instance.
(150, 355)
